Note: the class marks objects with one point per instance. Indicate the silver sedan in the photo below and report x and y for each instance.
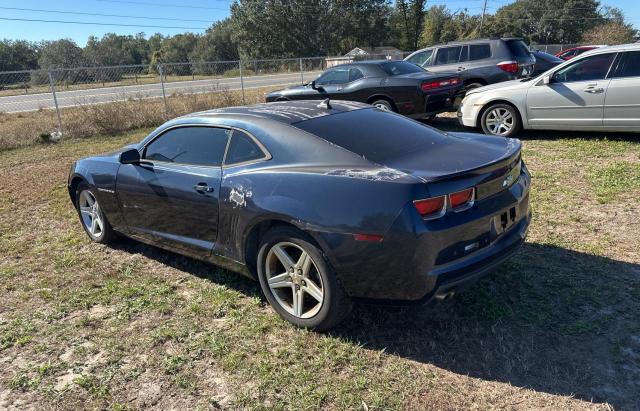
(597, 91)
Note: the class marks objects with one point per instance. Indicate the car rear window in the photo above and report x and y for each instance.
(396, 68)
(379, 138)
(518, 48)
(479, 51)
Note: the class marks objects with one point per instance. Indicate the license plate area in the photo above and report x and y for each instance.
(504, 221)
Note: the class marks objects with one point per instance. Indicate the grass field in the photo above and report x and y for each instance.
(131, 327)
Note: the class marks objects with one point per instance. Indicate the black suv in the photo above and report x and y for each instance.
(478, 62)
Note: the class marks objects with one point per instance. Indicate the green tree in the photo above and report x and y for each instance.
(18, 55)
(60, 54)
(176, 49)
(610, 33)
(408, 20)
(216, 44)
(546, 21)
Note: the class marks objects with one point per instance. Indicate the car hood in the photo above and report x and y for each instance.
(457, 155)
(505, 85)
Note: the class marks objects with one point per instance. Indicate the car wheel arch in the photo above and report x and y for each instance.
(256, 231)
(76, 180)
(382, 97)
(488, 104)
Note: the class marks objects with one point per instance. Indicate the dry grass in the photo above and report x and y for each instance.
(131, 327)
(23, 129)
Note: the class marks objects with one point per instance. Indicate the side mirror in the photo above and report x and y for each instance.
(131, 156)
(316, 87)
(546, 80)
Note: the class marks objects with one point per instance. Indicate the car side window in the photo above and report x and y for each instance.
(448, 55)
(479, 52)
(202, 146)
(355, 74)
(629, 65)
(334, 76)
(422, 58)
(587, 69)
(242, 148)
(568, 54)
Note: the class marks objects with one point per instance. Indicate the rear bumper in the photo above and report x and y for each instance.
(418, 262)
(435, 103)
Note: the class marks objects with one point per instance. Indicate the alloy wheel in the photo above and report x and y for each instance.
(499, 121)
(90, 214)
(294, 280)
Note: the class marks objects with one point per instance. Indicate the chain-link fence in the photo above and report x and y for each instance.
(55, 93)
(553, 48)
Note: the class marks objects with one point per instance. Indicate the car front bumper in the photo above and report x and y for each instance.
(468, 112)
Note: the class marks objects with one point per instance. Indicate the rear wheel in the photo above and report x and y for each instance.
(93, 220)
(384, 105)
(298, 282)
(500, 120)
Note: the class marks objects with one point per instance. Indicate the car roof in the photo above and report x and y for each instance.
(287, 112)
(609, 49)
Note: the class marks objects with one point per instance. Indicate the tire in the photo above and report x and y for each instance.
(382, 104)
(471, 86)
(501, 120)
(92, 218)
(324, 302)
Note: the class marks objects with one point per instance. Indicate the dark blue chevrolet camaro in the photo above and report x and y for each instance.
(323, 203)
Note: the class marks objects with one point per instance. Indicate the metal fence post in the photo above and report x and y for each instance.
(241, 81)
(164, 96)
(301, 72)
(55, 101)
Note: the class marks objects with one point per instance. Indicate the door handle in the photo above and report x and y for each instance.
(460, 68)
(203, 188)
(593, 89)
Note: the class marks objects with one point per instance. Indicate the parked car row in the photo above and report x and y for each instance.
(596, 91)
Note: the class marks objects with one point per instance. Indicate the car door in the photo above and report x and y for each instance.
(447, 60)
(621, 104)
(333, 82)
(574, 96)
(172, 196)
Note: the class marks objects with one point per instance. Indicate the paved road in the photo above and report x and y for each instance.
(33, 102)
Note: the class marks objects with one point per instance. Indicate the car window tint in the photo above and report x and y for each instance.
(448, 55)
(518, 48)
(629, 65)
(203, 146)
(378, 138)
(587, 69)
(464, 54)
(242, 148)
(355, 74)
(395, 68)
(422, 58)
(479, 51)
(335, 76)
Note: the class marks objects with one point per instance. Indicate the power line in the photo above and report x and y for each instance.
(146, 3)
(102, 24)
(102, 14)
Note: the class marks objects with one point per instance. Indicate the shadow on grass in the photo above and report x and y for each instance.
(451, 124)
(550, 319)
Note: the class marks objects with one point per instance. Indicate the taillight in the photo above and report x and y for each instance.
(509, 66)
(462, 199)
(431, 207)
(430, 85)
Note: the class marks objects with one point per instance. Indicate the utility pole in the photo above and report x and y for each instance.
(484, 11)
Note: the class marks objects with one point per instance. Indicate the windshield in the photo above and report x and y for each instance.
(518, 48)
(396, 68)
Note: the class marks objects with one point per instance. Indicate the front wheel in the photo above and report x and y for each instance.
(298, 282)
(93, 220)
(500, 120)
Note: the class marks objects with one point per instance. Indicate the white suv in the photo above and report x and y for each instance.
(596, 91)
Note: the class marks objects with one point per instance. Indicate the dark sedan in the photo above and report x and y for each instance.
(397, 86)
(323, 203)
(544, 62)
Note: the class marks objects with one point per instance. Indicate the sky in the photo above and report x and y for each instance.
(190, 15)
